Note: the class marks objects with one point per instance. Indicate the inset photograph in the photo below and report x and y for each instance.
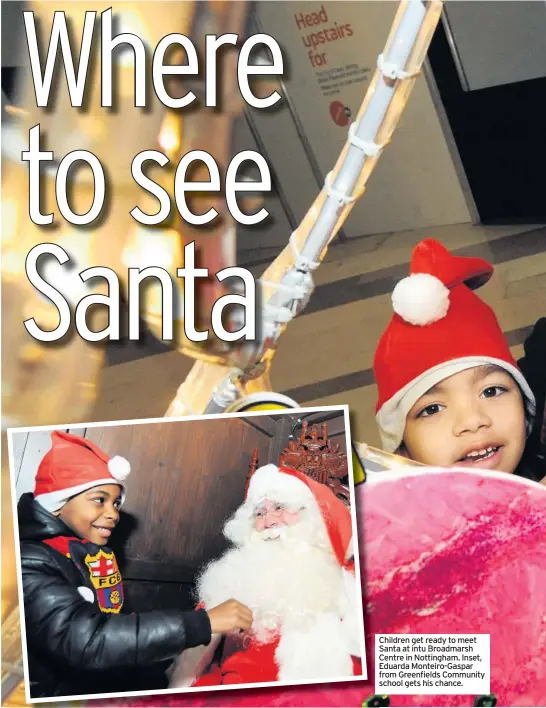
(181, 555)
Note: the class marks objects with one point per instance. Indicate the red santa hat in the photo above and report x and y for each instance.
(440, 327)
(294, 489)
(73, 465)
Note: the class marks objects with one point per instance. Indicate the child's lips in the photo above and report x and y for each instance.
(103, 531)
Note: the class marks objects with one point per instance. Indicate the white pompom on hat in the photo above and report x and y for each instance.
(421, 299)
(119, 468)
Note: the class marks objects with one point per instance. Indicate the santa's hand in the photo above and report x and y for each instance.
(230, 616)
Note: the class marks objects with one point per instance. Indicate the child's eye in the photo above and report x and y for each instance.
(98, 500)
(117, 503)
(494, 391)
(433, 409)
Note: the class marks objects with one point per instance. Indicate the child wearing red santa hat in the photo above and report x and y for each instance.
(450, 392)
(292, 564)
(78, 640)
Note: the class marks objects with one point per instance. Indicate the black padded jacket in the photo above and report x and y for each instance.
(73, 647)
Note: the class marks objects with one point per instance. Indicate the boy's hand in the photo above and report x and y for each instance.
(229, 616)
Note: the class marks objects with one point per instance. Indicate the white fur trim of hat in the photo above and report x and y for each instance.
(53, 501)
(268, 482)
(391, 418)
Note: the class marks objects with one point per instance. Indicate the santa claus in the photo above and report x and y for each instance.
(292, 565)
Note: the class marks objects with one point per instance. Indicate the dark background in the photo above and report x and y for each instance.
(500, 137)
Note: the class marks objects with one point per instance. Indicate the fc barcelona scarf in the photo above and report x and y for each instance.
(98, 564)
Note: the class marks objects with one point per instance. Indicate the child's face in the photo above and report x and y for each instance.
(475, 418)
(93, 514)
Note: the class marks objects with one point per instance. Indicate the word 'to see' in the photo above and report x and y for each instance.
(34, 156)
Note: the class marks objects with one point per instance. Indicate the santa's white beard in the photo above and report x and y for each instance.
(279, 575)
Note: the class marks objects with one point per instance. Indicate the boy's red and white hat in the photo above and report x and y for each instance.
(440, 327)
(294, 489)
(73, 465)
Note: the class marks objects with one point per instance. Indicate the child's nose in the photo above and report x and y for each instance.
(471, 418)
(112, 513)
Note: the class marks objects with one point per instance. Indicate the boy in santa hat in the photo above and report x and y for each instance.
(292, 565)
(450, 392)
(78, 641)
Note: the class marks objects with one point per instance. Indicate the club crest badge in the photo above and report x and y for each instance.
(106, 579)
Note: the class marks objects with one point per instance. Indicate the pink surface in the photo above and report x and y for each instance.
(443, 552)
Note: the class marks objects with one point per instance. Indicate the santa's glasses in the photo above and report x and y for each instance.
(275, 511)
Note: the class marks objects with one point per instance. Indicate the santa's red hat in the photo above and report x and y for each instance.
(294, 489)
(73, 465)
(440, 327)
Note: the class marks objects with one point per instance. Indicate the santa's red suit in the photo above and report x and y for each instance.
(298, 580)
